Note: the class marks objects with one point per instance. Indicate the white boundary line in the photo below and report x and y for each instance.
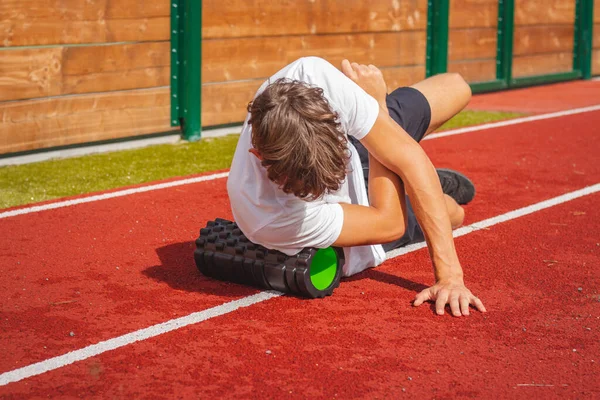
(514, 121)
(197, 317)
(112, 195)
(126, 192)
(129, 338)
(486, 223)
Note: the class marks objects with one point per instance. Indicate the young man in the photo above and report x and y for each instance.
(297, 180)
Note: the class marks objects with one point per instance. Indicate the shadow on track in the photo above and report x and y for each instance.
(179, 271)
(390, 279)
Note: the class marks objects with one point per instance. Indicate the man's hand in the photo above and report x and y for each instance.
(368, 77)
(453, 292)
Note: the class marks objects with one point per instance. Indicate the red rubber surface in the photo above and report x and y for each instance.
(60, 275)
(540, 99)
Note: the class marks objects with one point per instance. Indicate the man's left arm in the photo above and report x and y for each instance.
(396, 150)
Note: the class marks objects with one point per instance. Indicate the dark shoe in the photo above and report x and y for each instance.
(456, 185)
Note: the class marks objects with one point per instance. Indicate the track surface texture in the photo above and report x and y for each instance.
(79, 275)
(540, 99)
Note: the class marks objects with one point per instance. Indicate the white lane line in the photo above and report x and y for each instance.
(156, 330)
(129, 338)
(514, 121)
(486, 223)
(112, 195)
(187, 181)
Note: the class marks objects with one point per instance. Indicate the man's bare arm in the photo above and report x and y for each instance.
(398, 152)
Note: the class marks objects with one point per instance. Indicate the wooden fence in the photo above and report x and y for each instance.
(243, 47)
(75, 71)
(78, 71)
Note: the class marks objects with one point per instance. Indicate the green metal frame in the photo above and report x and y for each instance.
(186, 67)
(504, 50)
(437, 46)
(584, 26)
(176, 32)
(437, 37)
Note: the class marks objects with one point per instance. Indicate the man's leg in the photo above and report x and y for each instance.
(447, 94)
(419, 110)
(381, 183)
(455, 211)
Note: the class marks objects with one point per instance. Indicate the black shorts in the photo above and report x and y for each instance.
(410, 109)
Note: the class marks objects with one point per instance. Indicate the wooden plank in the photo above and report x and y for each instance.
(250, 58)
(544, 12)
(473, 14)
(596, 39)
(44, 22)
(77, 10)
(543, 39)
(597, 11)
(596, 62)
(16, 33)
(541, 64)
(33, 73)
(468, 44)
(403, 76)
(57, 121)
(243, 18)
(116, 67)
(475, 70)
(30, 73)
(225, 103)
(74, 21)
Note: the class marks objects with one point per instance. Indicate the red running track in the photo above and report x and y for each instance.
(107, 268)
(540, 99)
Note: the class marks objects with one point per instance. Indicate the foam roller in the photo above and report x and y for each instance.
(223, 252)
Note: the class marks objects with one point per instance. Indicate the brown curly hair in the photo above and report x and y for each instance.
(299, 138)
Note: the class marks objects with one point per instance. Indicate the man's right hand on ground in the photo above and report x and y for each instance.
(452, 292)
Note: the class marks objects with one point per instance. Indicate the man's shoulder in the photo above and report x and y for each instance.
(314, 60)
(312, 67)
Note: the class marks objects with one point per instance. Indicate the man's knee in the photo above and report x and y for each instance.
(458, 217)
(459, 86)
(398, 228)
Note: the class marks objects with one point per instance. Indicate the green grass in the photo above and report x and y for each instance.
(31, 183)
(469, 117)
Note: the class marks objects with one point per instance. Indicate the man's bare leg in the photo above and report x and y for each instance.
(447, 94)
(387, 189)
(455, 211)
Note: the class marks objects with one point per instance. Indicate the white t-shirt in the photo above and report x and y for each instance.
(284, 222)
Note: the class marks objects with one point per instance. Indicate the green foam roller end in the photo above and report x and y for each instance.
(323, 268)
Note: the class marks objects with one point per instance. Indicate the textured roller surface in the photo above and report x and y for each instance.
(223, 252)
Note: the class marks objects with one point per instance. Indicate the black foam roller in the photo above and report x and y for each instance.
(223, 252)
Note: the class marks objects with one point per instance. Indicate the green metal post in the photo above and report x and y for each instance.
(504, 50)
(186, 50)
(192, 69)
(504, 46)
(175, 70)
(437, 37)
(582, 49)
